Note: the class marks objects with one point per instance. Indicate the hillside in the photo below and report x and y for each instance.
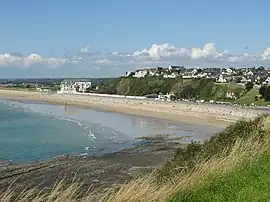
(183, 88)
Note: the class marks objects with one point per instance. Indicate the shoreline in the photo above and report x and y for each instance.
(177, 112)
(97, 172)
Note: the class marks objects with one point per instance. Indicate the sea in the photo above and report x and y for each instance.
(36, 131)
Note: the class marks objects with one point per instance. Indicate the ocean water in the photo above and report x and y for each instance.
(32, 131)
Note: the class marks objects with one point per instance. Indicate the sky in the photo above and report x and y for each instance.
(101, 38)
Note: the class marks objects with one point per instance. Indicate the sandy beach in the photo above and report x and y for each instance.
(192, 113)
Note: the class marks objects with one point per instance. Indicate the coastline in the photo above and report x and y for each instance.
(97, 172)
(190, 113)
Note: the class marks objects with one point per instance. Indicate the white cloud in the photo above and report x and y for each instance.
(209, 49)
(162, 51)
(103, 62)
(87, 63)
(266, 54)
(8, 59)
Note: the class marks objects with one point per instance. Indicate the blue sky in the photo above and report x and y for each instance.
(107, 38)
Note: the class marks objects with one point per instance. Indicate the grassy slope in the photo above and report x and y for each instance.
(249, 98)
(249, 182)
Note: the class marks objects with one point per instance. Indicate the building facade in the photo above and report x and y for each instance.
(73, 86)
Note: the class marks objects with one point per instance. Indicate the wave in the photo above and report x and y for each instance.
(81, 124)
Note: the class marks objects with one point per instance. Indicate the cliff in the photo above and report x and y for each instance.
(203, 88)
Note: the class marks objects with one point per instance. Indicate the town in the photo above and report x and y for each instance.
(258, 76)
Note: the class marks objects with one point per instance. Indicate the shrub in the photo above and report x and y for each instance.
(249, 86)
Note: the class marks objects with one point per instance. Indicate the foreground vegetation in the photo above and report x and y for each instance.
(232, 166)
(248, 182)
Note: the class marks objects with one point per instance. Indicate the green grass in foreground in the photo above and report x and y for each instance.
(249, 182)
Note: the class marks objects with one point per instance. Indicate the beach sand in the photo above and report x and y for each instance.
(179, 112)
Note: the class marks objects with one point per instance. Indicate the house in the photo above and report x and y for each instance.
(67, 86)
(190, 73)
(245, 80)
(250, 73)
(221, 79)
(82, 86)
(140, 73)
(176, 68)
(231, 94)
(167, 97)
(202, 75)
(229, 71)
(267, 81)
(129, 74)
(73, 86)
(154, 72)
(172, 75)
(212, 71)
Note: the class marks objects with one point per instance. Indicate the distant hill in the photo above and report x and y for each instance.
(47, 81)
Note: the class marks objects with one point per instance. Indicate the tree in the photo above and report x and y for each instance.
(267, 94)
(249, 86)
(199, 71)
(262, 90)
(261, 68)
(237, 79)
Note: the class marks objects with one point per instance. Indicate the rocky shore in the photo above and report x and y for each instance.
(96, 172)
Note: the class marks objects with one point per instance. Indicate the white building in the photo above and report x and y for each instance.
(70, 86)
(67, 87)
(129, 74)
(250, 73)
(229, 71)
(245, 80)
(267, 81)
(173, 75)
(221, 79)
(82, 86)
(176, 68)
(154, 72)
(140, 73)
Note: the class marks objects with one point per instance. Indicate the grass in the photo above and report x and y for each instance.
(233, 165)
(220, 90)
(249, 182)
(250, 97)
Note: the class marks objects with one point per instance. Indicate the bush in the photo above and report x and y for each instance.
(185, 159)
(262, 90)
(249, 86)
(265, 92)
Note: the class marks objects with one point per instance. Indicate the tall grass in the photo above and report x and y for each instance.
(189, 168)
